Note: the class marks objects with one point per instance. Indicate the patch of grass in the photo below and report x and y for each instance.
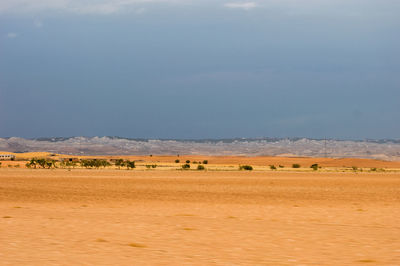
(17, 207)
(188, 229)
(231, 217)
(7, 217)
(136, 245)
(101, 240)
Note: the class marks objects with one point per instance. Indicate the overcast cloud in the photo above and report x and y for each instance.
(200, 69)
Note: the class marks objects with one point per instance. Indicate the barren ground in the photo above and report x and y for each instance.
(119, 217)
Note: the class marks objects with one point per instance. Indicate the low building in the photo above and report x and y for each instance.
(7, 157)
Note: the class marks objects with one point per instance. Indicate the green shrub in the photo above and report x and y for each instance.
(177, 161)
(119, 163)
(205, 162)
(187, 161)
(246, 167)
(296, 165)
(314, 167)
(97, 163)
(186, 166)
(272, 167)
(130, 164)
(200, 167)
(281, 166)
(355, 168)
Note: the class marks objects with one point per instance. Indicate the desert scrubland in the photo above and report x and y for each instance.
(140, 217)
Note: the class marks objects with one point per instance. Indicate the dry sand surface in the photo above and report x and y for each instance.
(111, 217)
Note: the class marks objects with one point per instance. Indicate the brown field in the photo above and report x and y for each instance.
(120, 217)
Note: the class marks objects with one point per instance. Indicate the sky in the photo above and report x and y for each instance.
(199, 69)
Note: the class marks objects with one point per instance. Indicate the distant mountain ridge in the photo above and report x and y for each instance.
(385, 149)
(227, 140)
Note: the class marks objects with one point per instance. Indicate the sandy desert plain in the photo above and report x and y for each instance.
(221, 216)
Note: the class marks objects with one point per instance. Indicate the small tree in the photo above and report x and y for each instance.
(71, 164)
(130, 164)
(50, 164)
(31, 163)
(104, 163)
(41, 162)
(119, 163)
(246, 167)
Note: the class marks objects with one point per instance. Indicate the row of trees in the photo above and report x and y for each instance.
(87, 163)
(315, 167)
(41, 163)
(186, 166)
(194, 162)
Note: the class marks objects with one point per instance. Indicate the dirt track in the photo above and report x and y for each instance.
(103, 217)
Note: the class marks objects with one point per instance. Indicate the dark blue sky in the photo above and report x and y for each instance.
(200, 69)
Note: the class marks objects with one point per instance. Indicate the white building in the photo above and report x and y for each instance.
(7, 157)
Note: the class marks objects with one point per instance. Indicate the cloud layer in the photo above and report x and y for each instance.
(76, 6)
(106, 7)
(241, 5)
(12, 35)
